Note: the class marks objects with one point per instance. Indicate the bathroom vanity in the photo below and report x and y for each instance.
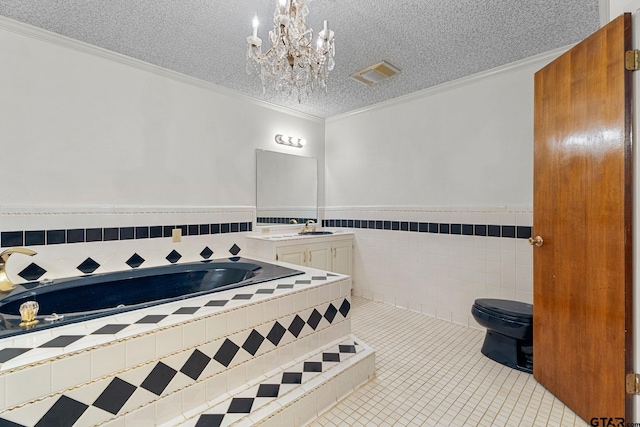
(330, 252)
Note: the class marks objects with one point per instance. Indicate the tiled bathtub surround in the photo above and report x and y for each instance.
(82, 235)
(82, 240)
(149, 366)
(418, 258)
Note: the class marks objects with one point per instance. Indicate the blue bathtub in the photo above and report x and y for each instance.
(92, 296)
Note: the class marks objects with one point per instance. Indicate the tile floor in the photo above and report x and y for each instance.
(430, 372)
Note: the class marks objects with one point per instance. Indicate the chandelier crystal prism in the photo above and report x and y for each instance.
(292, 64)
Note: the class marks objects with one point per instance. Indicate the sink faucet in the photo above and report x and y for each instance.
(309, 226)
(5, 283)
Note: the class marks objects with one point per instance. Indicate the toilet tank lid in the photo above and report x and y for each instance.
(513, 308)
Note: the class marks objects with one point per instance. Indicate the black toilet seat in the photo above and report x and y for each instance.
(516, 310)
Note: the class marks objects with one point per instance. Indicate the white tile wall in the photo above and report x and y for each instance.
(62, 260)
(440, 274)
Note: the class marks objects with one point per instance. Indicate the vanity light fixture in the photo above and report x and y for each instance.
(291, 141)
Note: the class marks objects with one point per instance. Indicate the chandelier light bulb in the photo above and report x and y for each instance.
(254, 23)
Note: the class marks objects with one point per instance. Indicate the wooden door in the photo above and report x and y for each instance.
(582, 210)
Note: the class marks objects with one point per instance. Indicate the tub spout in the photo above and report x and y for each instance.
(5, 283)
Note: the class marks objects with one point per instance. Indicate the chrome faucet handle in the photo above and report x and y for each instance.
(5, 283)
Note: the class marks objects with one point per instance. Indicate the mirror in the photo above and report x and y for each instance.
(287, 188)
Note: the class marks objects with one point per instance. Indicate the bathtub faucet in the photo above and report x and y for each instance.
(5, 283)
(309, 226)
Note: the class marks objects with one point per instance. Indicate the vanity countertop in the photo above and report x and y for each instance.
(336, 234)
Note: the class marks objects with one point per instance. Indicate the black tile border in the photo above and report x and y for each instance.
(485, 230)
(282, 220)
(106, 234)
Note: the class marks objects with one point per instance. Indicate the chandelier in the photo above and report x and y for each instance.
(292, 64)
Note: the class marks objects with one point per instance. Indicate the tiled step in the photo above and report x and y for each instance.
(293, 395)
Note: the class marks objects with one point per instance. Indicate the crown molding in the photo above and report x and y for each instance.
(604, 7)
(541, 60)
(67, 42)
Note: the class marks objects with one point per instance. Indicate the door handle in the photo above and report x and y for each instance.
(536, 241)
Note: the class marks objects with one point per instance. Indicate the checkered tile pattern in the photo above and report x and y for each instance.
(61, 341)
(249, 401)
(169, 374)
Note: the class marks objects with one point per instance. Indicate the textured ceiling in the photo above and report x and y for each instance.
(431, 41)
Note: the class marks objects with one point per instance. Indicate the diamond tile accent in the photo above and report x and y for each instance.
(268, 390)
(135, 261)
(88, 266)
(210, 420)
(292, 378)
(113, 398)
(284, 287)
(158, 379)
(206, 252)
(186, 310)
(276, 333)
(331, 357)
(173, 257)
(32, 272)
(7, 354)
(314, 319)
(303, 282)
(61, 341)
(152, 318)
(345, 307)
(312, 367)
(296, 326)
(253, 342)
(265, 291)
(347, 348)
(330, 313)
(110, 329)
(196, 363)
(242, 296)
(235, 250)
(240, 405)
(65, 412)
(227, 352)
(216, 303)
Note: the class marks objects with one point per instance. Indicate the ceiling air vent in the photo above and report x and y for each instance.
(376, 73)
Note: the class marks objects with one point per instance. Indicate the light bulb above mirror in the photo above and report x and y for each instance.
(291, 141)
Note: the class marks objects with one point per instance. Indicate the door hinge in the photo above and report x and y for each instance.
(633, 384)
(632, 60)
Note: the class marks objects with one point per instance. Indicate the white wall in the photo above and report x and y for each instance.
(92, 141)
(83, 126)
(461, 153)
(470, 144)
